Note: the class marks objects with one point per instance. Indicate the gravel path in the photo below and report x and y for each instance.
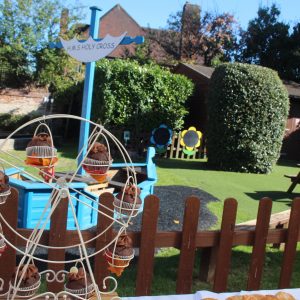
(171, 210)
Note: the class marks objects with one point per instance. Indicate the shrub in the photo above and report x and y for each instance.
(247, 107)
(128, 95)
(10, 122)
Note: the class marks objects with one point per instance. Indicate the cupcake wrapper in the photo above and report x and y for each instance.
(26, 291)
(125, 207)
(93, 166)
(81, 292)
(41, 152)
(4, 196)
(118, 261)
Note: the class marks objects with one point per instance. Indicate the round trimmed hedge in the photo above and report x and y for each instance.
(247, 112)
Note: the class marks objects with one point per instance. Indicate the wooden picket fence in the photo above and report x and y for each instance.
(175, 150)
(217, 244)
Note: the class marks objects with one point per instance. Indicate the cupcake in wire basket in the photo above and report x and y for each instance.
(41, 152)
(4, 187)
(97, 162)
(30, 280)
(79, 283)
(119, 254)
(128, 200)
(2, 242)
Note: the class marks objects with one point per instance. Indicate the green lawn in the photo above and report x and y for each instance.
(247, 189)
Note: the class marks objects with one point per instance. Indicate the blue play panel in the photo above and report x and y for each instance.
(34, 195)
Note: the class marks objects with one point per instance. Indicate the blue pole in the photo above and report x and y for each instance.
(88, 90)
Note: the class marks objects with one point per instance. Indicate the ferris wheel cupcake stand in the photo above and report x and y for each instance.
(79, 281)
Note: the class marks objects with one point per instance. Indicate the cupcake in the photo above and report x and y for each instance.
(97, 162)
(30, 280)
(40, 151)
(79, 283)
(2, 242)
(128, 200)
(119, 255)
(4, 187)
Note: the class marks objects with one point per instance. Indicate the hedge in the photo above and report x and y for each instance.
(247, 109)
(135, 97)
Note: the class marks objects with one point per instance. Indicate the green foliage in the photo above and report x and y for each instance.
(56, 69)
(137, 97)
(13, 69)
(247, 107)
(269, 42)
(10, 122)
(26, 28)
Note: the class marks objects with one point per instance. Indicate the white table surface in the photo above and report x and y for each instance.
(206, 294)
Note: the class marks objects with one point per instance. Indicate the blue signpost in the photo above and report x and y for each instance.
(89, 80)
(88, 90)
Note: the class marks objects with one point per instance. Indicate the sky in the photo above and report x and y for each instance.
(154, 13)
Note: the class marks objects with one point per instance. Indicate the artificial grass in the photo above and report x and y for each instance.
(246, 188)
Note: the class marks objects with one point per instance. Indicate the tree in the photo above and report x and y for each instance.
(270, 43)
(26, 28)
(292, 56)
(266, 40)
(189, 37)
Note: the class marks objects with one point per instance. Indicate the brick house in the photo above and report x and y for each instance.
(117, 20)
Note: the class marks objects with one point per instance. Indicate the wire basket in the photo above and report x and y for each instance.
(5, 187)
(4, 195)
(26, 292)
(96, 168)
(126, 208)
(83, 293)
(45, 156)
(118, 261)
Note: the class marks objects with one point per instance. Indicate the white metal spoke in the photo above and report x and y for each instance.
(63, 189)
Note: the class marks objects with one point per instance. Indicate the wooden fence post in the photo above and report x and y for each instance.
(147, 246)
(178, 145)
(57, 237)
(188, 246)
(100, 269)
(8, 259)
(259, 247)
(290, 246)
(225, 245)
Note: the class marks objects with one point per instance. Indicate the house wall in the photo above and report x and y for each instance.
(116, 22)
(197, 102)
(291, 141)
(22, 101)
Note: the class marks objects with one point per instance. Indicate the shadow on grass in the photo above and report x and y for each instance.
(169, 163)
(69, 150)
(287, 163)
(277, 196)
